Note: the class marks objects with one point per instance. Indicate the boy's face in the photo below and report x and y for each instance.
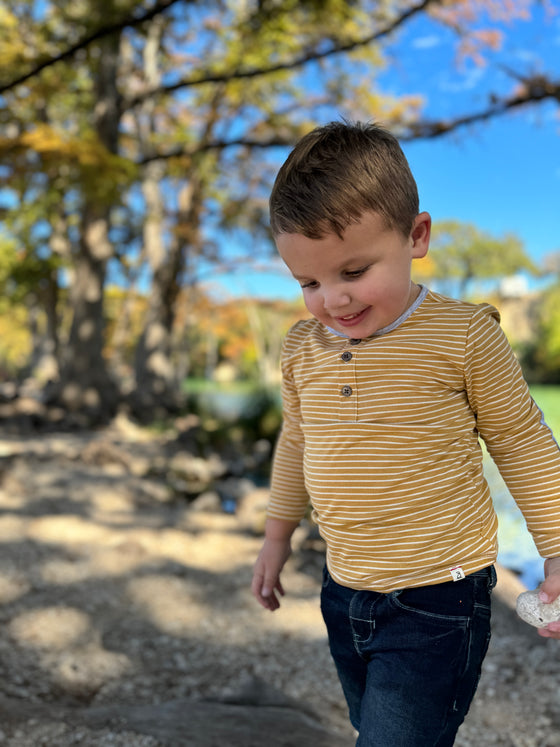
(360, 283)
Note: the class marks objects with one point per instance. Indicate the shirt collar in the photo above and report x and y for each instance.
(402, 318)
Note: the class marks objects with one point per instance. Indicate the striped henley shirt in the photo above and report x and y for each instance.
(382, 435)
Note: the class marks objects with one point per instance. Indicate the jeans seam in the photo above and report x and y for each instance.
(468, 658)
(357, 641)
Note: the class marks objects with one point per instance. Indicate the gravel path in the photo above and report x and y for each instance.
(115, 594)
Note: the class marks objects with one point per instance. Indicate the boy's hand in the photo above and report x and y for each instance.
(550, 589)
(266, 573)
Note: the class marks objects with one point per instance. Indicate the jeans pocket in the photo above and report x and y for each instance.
(448, 602)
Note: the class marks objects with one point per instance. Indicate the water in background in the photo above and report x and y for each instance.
(516, 549)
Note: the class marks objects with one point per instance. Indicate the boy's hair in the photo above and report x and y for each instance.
(338, 172)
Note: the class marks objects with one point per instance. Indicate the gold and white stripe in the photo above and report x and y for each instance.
(385, 443)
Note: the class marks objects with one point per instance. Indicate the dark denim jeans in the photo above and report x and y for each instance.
(409, 661)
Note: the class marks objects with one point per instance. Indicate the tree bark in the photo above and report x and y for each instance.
(157, 379)
(157, 384)
(44, 365)
(86, 385)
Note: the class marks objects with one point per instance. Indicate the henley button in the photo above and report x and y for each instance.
(355, 341)
(346, 391)
(346, 356)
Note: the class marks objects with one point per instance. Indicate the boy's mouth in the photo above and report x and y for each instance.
(351, 319)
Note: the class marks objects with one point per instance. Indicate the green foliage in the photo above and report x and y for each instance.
(8, 265)
(541, 356)
(15, 339)
(462, 255)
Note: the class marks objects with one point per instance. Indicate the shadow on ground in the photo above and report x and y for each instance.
(126, 615)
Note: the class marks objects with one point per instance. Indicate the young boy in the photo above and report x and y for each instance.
(386, 392)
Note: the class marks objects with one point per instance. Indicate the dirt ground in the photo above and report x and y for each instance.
(126, 617)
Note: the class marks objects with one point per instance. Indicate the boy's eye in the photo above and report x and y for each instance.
(356, 273)
(309, 284)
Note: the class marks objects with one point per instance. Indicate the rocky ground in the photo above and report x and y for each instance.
(126, 616)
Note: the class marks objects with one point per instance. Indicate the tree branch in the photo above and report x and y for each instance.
(217, 145)
(535, 89)
(227, 76)
(101, 32)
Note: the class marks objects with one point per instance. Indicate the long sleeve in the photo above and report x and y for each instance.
(513, 428)
(288, 495)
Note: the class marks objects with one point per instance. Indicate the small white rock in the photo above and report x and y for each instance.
(537, 613)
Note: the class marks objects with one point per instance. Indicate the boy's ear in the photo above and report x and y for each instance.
(420, 235)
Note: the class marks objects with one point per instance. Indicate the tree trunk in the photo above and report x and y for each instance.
(44, 364)
(157, 382)
(85, 382)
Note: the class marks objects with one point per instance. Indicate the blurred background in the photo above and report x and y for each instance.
(139, 142)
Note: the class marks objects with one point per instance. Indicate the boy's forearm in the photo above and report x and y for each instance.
(280, 529)
(276, 549)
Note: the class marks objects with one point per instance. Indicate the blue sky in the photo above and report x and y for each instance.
(503, 175)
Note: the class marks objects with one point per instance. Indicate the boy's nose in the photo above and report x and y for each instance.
(335, 298)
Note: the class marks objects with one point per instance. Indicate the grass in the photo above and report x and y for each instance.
(548, 399)
(517, 550)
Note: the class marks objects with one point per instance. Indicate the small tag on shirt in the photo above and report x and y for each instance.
(457, 573)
